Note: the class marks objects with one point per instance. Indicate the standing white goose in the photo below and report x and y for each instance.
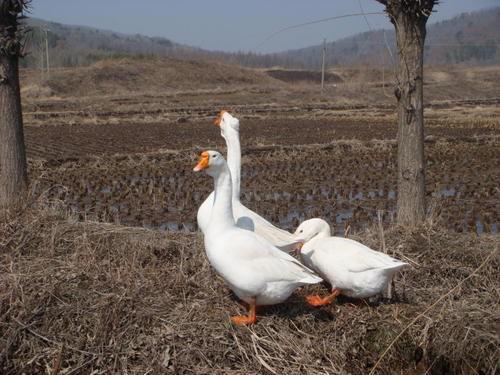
(257, 272)
(350, 267)
(245, 218)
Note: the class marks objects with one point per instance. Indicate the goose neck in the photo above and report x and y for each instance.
(234, 160)
(322, 233)
(222, 210)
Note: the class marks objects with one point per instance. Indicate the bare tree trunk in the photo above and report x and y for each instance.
(13, 174)
(409, 18)
(410, 35)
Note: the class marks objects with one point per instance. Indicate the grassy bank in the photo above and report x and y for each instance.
(82, 297)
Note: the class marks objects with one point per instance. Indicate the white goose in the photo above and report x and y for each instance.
(257, 272)
(350, 267)
(245, 218)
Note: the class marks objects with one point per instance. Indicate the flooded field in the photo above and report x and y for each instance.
(128, 158)
(351, 182)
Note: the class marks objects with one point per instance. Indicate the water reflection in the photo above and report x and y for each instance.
(170, 203)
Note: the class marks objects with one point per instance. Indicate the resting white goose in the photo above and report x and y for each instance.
(245, 218)
(257, 272)
(350, 267)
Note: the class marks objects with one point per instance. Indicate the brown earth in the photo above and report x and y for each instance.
(347, 182)
(169, 128)
(89, 284)
(83, 297)
(144, 74)
(73, 141)
(294, 76)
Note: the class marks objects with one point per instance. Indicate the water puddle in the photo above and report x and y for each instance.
(170, 203)
(173, 226)
(446, 193)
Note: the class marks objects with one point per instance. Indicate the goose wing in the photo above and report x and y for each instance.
(356, 257)
(248, 219)
(265, 259)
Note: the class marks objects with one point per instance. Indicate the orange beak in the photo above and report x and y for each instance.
(298, 246)
(218, 119)
(203, 162)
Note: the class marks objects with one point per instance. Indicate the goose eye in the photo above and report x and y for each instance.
(301, 230)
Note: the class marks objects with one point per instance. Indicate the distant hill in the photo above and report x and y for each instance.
(81, 45)
(471, 38)
(152, 74)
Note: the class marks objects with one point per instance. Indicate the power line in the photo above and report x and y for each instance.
(437, 44)
(364, 15)
(365, 42)
(386, 43)
(315, 22)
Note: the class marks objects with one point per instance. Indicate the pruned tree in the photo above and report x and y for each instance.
(13, 174)
(409, 18)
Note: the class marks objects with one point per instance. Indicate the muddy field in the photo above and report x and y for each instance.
(129, 160)
(89, 285)
(348, 183)
(119, 135)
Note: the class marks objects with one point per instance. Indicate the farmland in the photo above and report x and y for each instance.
(104, 270)
(127, 158)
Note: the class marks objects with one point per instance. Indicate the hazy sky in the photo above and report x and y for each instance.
(232, 25)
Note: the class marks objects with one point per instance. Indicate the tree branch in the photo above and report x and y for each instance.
(12, 32)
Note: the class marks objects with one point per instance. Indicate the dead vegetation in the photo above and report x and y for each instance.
(153, 74)
(294, 76)
(361, 84)
(78, 296)
(82, 297)
(346, 182)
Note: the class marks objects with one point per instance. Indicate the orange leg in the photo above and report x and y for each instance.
(315, 300)
(251, 318)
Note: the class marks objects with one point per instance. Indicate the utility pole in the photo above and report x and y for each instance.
(323, 67)
(47, 51)
(42, 58)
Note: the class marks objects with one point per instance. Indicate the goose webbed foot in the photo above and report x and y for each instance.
(316, 301)
(251, 318)
(243, 320)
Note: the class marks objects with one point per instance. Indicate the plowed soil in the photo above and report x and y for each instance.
(87, 287)
(128, 160)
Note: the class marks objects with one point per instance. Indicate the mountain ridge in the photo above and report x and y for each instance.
(469, 38)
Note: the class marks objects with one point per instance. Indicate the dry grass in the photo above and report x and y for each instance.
(87, 297)
(167, 76)
(36, 90)
(154, 74)
(84, 297)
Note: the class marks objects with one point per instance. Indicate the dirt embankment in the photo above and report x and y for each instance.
(358, 85)
(294, 76)
(142, 75)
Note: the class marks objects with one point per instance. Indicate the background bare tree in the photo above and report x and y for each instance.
(13, 175)
(409, 18)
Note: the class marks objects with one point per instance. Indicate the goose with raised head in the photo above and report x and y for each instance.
(256, 271)
(245, 218)
(351, 268)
